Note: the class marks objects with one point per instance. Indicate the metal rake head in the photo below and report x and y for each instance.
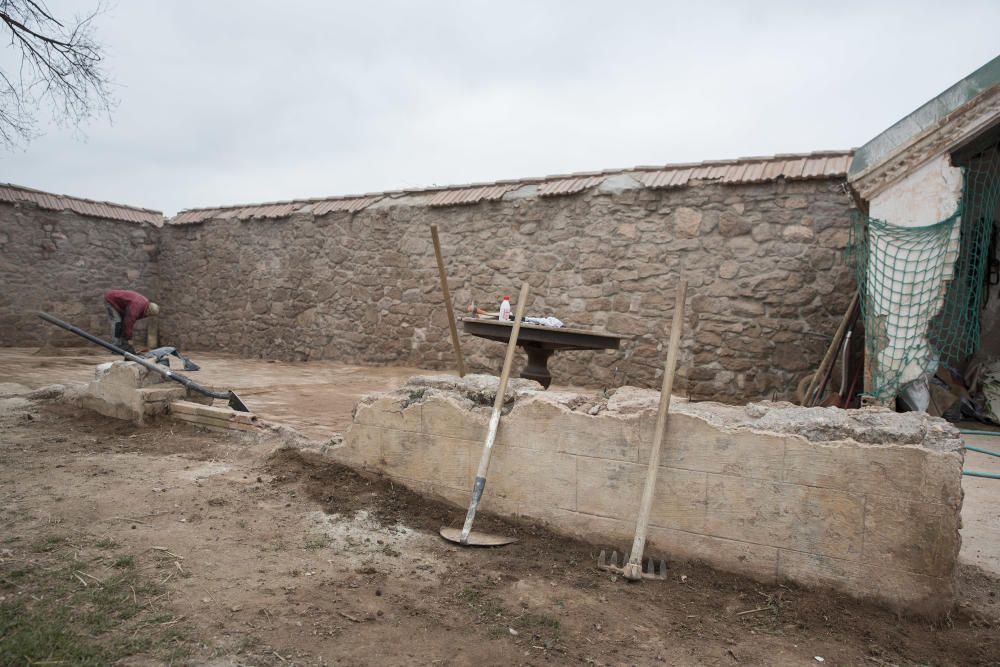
(650, 568)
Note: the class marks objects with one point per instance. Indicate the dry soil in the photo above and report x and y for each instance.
(168, 545)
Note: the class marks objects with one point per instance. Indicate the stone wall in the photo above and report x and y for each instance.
(62, 263)
(764, 262)
(866, 502)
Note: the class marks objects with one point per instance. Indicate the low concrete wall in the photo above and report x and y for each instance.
(864, 501)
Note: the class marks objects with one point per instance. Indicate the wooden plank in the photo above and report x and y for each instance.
(197, 420)
(188, 407)
(203, 420)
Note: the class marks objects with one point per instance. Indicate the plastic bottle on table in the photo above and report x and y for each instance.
(505, 309)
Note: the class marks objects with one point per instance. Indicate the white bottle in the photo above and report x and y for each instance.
(505, 309)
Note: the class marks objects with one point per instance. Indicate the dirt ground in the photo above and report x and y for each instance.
(315, 398)
(167, 545)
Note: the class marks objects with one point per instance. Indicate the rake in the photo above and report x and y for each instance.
(632, 566)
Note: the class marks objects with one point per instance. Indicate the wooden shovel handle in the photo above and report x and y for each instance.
(484, 461)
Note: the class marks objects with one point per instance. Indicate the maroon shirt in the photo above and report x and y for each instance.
(130, 305)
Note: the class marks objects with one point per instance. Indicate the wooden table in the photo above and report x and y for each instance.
(540, 342)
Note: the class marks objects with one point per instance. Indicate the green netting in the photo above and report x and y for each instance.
(922, 288)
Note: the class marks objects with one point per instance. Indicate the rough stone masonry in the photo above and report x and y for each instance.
(764, 264)
(63, 262)
(866, 502)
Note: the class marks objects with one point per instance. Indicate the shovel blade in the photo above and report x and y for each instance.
(236, 403)
(476, 538)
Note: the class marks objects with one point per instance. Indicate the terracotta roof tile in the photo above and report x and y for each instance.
(828, 164)
(15, 194)
(568, 186)
(348, 204)
(471, 195)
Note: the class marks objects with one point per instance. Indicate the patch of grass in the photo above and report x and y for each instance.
(48, 544)
(63, 614)
(413, 396)
(126, 562)
(540, 621)
(106, 543)
(318, 541)
(470, 596)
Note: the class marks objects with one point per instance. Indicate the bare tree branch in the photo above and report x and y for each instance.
(58, 65)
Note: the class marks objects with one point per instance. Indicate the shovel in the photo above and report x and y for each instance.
(465, 536)
(632, 567)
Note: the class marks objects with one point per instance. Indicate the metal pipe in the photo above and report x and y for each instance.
(972, 431)
(234, 401)
(976, 473)
(981, 450)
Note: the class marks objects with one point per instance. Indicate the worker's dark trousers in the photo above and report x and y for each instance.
(115, 319)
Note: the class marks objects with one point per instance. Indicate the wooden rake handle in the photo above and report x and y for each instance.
(491, 434)
(633, 569)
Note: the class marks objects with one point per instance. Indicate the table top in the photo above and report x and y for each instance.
(551, 337)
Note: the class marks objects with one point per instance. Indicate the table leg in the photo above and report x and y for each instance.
(537, 368)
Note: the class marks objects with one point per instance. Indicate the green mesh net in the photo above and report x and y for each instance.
(922, 288)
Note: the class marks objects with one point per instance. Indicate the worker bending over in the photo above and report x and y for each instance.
(125, 308)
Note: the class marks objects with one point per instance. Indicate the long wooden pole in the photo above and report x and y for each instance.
(831, 354)
(633, 569)
(491, 434)
(447, 302)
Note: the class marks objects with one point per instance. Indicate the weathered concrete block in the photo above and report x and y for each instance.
(424, 457)
(530, 476)
(155, 400)
(606, 531)
(753, 560)
(815, 520)
(439, 418)
(115, 391)
(902, 590)
(694, 444)
(390, 412)
(913, 536)
(365, 447)
(900, 471)
(547, 425)
(817, 496)
(614, 489)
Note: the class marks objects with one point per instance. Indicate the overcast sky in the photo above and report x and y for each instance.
(246, 101)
